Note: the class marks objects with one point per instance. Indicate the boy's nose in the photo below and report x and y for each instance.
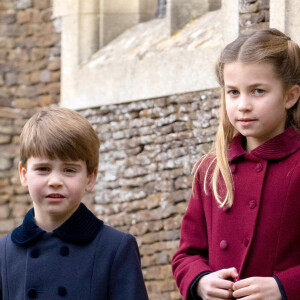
(54, 180)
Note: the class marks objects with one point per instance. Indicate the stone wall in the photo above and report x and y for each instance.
(147, 153)
(148, 147)
(254, 14)
(29, 80)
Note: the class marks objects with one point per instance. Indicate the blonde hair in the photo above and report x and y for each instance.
(271, 46)
(60, 133)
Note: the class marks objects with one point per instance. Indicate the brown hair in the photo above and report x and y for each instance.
(60, 133)
(262, 46)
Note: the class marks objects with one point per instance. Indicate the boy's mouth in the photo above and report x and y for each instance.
(58, 196)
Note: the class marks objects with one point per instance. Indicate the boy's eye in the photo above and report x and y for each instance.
(43, 169)
(70, 170)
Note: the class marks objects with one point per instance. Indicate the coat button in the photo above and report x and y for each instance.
(62, 291)
(223, 245)
(252, 204)
(35, 253)
(32, 293)
(259, 167)
(233, 168)
(64, 251)
(226, 208)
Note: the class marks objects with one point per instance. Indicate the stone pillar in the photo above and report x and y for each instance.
(88, 29)
(80, 28)
(181, 12)
(230, 14)
(284, 15)
(118, 15)
(69, 12)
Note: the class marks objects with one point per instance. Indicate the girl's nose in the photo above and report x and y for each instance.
(244, 103)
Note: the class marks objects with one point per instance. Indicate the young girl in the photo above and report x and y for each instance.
(240, 236)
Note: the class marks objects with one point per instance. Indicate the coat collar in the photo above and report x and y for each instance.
(81, 228)
(278, 147)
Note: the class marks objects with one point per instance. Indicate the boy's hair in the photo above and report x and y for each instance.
(262, 46)
(60, 133)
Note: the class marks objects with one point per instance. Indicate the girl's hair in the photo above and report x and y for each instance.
(262, 46)
(60, 133)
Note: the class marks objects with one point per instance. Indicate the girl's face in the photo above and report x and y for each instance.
(256, 101)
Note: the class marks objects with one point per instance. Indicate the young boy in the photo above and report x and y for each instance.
(62, 251)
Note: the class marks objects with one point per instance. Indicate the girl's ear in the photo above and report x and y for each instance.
(91, 180)
(22, 174)
(291, 96)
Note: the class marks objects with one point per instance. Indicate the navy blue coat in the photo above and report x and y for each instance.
(82, 259)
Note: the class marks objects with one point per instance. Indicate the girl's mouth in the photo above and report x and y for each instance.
(246, 121)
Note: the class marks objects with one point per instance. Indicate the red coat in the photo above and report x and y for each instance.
(260, 233)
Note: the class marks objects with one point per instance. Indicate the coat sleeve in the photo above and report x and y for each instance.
(126, 280)
(290, 281)
(191, 259)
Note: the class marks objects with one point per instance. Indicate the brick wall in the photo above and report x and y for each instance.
(147, 153)
(148, 147)
(29, 80)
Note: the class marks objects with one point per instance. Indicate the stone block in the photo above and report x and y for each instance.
(54, 64)
(24, 16)
(25, 103)
(24, 79)
(23, 4)
(37, 53)
(249, 7)
(5, 139)
(35, 77)
(45, 100)
(10, 30)
(4, 212)
(8, 18)
(45, 15)
(41, 4)
(36, 16)
(7, 225)
(19, 210)
(264, 4)
(8, 190)
(54, 88)
(45, 76)
(4, 198)
(11, 78)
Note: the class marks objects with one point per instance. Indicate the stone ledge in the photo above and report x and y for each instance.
(145, 62)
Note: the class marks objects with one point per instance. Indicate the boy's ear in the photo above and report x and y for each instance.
(22, 174)
(91, 180)
(291, 96)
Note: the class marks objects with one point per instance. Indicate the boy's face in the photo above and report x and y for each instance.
(56, 187)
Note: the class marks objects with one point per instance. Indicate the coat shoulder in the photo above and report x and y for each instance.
(114, 237)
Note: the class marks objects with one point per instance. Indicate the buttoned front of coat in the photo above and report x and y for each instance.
(259, 234)
(71, 265)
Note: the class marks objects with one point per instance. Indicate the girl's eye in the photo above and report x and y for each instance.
(233, 92)
(258, 92)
